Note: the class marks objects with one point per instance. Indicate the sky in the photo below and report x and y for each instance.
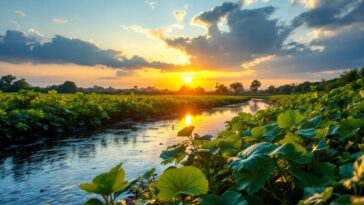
(159, 43)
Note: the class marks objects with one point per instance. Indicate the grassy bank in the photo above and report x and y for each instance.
(305, 149)
(26, 115)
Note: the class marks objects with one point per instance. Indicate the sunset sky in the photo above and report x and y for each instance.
(159, 43)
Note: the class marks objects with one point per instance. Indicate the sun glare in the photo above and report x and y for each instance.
(188, 120)
(187, 79)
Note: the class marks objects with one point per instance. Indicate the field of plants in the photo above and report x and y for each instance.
(27, 115)
(306, 149)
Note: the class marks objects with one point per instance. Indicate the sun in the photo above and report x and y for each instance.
(187, 79)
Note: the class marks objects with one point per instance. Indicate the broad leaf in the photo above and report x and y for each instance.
(253, 157)
(289, 118)
(185, 180)
(253, 181)
(258, 132)
(227, 198)
(107, 183)
(316, 195)
(185, 132)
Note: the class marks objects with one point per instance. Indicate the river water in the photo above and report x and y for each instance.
(50, 173)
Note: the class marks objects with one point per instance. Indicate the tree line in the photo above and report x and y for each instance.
(9, 83)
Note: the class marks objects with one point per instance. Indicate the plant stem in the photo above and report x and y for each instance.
(183, 199)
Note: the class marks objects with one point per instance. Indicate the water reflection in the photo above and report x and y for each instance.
(51, 172)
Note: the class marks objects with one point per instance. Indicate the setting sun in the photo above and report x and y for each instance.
(187, 79)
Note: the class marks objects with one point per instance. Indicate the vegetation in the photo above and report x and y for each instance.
(27, 115)
(306, 149)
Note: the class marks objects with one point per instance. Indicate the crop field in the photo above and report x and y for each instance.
(305, 149)
(26, 115)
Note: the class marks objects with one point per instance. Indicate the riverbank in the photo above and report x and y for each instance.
(28, 116)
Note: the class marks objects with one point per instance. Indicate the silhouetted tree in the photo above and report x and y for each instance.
(348, 76)
(271, 89)
(199, 91)
(6, 81)
(221, 89)
(19, 85)
(237, 88)
(67, 87)
(255, 86)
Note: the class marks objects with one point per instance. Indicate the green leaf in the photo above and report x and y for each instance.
(350, 127)
(307, 179)
(186, 132)
(185, 180)
(227, 198)
(295, 140)
(306, 133)
(173, 153)
(94, 201)
(253, 181)
(289, 152)
(253, 157)
(258, 132)
(348, 200)
(107, 183)
(316, 195)
(346, 170)
(289, 118)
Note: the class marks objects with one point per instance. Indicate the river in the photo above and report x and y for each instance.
(49, 173)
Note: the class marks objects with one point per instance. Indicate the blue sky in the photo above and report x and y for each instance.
(122, 43)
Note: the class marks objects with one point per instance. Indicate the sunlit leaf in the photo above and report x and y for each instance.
(185, 132)
(289, 118)
(185, 180)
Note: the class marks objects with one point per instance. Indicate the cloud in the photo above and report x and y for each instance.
(306, 3)
(59, 21)
(151, 3)
(19, 47)
(252, 34)
(332, 14)
(179, 14)
(19, 13)
(341, 51)
(153, 33)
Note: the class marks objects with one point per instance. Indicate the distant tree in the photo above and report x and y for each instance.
(199, 91)
(185, 90)
(67, 87)
(348, 76)
(285, 89)
(255, 86)
(361, 72)
(6, 81)
(221, 89)
(237, 88)
(19, 85)
(271, 89)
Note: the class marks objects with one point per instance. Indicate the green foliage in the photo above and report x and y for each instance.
(305, 149)
(27, 115)
(185, 180)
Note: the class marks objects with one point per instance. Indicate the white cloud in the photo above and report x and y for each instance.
(179, 14)
(59, 21)
(151, 3)
(19, 13)
(307, 3)
(15, 24)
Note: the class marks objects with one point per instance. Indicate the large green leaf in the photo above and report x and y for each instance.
(289, 118)
(227, 198)
(173, 153)
(185, 132)
(316, 195)
(258, 132)
(107, 183)
(348, 200)
(253, 181)
(289, 152)
(185, 180)
(253, 157)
